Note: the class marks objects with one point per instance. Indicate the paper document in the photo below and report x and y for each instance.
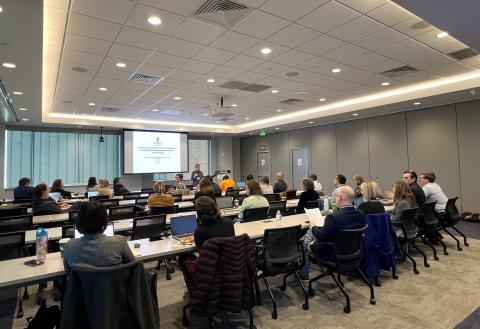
(314, 216)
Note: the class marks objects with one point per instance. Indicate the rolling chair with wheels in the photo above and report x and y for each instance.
(449, 219)
(429, 225)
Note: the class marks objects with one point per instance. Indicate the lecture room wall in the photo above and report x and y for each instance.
(443, 139)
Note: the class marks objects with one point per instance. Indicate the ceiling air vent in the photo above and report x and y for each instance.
(145, 78)
(291, 101)
(254, 87)
(245, 86)
(464, 54)
(399, 71)
(110, 109)
(225, 13)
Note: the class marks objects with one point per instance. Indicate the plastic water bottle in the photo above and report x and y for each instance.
(326, 204)
(42, 243)
(278, 218)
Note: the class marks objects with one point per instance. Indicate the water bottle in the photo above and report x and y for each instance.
(41, 243)
(278, 218)
(326, 204)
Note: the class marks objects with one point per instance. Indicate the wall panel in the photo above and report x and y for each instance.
(279, 156)
(323, 146)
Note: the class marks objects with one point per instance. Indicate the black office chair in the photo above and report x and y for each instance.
(108, 203)
(281, 253)
(132, 196)
(313, 204)
(12, 211)
(149, 227)
(253, 214)
(72, 216)
(272, 197)
(232, 192)
(12, 246)
(291, 195)
(163, 210)
(177, 197)
(410, 234)
(68, 231)
(429, 225)
(189, 186)
(147, 190)
(28, 203)
(449, 219)
(348, 255)
(16, 223)
(121, 212)
(98, 198)
(141, 201)
(275, 206)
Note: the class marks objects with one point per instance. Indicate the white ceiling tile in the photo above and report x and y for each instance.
(183, 75)
(356, 29)
(363, 6)
(328, 17)
(450, 46)
(390, 14)
(184, 8)
(364, 77)
(380, 39)
(198, 66)
(111, 10)
(197, 31)
(139, 38)
(345, 52)
(292, 58)
(383, 66)
(155, 70)
(92, 27)
(113, 74)
(130, 53)
(255, 51)
(416, 77)
(320, 45)
(214, 55)
(317, 64)
(293, 35)
(252, 3)
(109, 63)
(269, 68)
(260, 25)
(81, 57)
(166, 60)
(55, 18)
(446, 70)
(234, 41)
(397, 49)
(60, 4)
(179, 47)
(75, 77)
(366, 60)
(292, 10)
(226, 72)
(140, 14)
(85, 44)
(244, 62)
(250, 77)
(407, 26)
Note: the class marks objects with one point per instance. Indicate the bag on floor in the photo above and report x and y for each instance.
(47, 317)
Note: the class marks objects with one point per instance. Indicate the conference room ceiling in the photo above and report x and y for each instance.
(85, 41)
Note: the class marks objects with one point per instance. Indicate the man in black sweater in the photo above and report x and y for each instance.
(410, 177)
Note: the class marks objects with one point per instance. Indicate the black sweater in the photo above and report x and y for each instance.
(309, 195)
(221, 229)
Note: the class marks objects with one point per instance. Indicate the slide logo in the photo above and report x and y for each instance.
(157, 141)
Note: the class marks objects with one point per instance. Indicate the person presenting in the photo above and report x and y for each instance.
(196, 175)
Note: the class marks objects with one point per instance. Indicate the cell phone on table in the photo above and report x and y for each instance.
(34, 262)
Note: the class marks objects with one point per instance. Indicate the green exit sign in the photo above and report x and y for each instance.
(263, 132)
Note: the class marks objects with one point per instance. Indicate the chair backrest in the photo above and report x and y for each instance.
(28, 203)
(272, 197)
(142, 201)
(189, 186)
(407, 220)
(426, 214)
(132, 195)
(68, 231)
(16, 223)
(108, 203)
(282, 247)
(253, 214)
(12, 211)
(291, 195)
(232, 192)
(98, 198)
(275, 206)
(348, 247)
(163, 210)
(453, 215)
(121, 212)
(313, 204)
(11, 245)
(72, 216)
(147, 190)
(177, 198)
(148, 227)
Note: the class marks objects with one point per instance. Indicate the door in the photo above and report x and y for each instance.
(263, 164)
(299, 167)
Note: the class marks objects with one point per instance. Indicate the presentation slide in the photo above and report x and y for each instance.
(154, 152)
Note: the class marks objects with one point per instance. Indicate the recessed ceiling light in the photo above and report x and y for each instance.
(22, 109)
(121, 65)
(91, 104)
(266, 51)
(1, 9)
(24, 119)
(385, 83)
(9, 65)
(247, 118)
(336, 70)
(322, 99)
(442, 34)
(205, 114)
(274, 91)
(17, 93)
(417, 103)
(310, 122)
(234, 105)
(154, 20)
(279, 110)
(155, 110)
(211, 80)
(102, 89)
(177, 98)
(355, 114)
(276, 128)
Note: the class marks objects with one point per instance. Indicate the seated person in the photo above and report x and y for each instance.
(204, 189)
(57, 186)
(433, 191)
(92, 185)
(104, 188)
(226, 183)
(280, 185)
(318, 186)
(179, 183)
(308, 194)
(371, 193)
(346, 217)
(410, 177)
(265, 185)
(255, 198)
(402, 199)
(118, 188)
(44, 205)
(24, 190)
(249, 177)
(94, 249)
(216, 188)
(160, 199)
(359, 180)
(338, 181)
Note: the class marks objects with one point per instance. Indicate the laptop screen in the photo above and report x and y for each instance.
(108, 232)
(54, 195)
(357, 201)
(224, 202)
(181, 225)
(241, 185)
(90, 194)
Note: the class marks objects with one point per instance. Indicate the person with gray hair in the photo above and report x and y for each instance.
(308, 194)
(280, 185)
(346, 217)
(104, 188)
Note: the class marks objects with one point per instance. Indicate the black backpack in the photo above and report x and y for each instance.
(47, 317)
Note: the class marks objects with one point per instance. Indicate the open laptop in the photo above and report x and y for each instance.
(108, 232)
(54, 195)
(241, 185)
(357, 201)
(90, 194)
(183, 226)
(224, 202)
